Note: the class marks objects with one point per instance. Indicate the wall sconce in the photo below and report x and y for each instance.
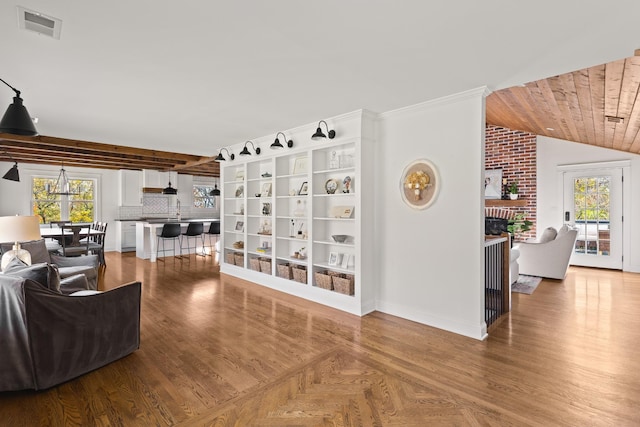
(16, 119)
(245, 150)
(12, 174)
(319, 134)
(220, 157)
(277, 145)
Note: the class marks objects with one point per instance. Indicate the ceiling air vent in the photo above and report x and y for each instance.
(615, 119)
(39, 22)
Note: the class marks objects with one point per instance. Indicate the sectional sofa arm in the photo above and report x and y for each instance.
(70, 336)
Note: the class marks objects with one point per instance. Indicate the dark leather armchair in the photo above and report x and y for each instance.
(48, 338)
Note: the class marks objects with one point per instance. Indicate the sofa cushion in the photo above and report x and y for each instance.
(43, 273)
(37, 249)
(548, 235)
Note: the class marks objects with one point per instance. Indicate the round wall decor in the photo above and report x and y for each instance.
(419, 184)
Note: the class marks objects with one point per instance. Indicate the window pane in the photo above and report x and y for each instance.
(201, 197)
(76, 208)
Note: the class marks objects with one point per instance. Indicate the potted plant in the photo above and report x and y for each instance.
(513, 190)
(519, 224)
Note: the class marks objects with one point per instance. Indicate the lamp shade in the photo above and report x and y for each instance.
(16, 120)
(12, 174)
(19, 228)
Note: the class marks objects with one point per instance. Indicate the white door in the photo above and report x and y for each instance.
(593, 204)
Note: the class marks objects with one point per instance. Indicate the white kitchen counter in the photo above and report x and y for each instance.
(146, 238)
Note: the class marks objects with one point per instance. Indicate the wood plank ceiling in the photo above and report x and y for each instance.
(595, 106)
(53, 151)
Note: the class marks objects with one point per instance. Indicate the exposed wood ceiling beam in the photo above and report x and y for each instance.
(51, 150)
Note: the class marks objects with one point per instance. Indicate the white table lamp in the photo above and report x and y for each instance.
(18, 229)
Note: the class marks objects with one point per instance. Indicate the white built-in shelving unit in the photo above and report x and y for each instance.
(279, 216)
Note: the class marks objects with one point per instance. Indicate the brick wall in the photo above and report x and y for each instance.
(515, 153)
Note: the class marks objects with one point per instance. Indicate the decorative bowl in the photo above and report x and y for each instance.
(340, 238)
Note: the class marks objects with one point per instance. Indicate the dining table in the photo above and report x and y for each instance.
(77, 231)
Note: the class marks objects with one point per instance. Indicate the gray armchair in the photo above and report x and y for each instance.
(67, 266)
(48, 338)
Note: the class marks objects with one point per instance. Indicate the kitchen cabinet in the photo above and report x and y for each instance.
(158, 179)
(130, 187)
(125, 236)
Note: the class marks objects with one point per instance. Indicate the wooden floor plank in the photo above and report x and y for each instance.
(220, 351)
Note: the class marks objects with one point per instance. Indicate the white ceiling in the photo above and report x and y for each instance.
(193, 76)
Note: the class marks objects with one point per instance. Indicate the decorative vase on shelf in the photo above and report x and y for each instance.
(513, 196)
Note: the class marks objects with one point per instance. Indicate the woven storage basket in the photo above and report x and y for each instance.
(323, 280)
(299, 274)
(254, 264)
(239, 259)
(284, 271)
(230, 258)
(344, 284)
(265, 265)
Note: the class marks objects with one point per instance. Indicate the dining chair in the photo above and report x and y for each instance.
(169, 232)
(73, 246)
(59, 224)
(195, 230)
(96, 241)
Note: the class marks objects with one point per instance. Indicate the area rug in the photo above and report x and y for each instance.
(526, 284)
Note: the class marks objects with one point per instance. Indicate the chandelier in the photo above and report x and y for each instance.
(62, 186)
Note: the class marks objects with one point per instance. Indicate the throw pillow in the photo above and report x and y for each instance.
(548, 235)
(562, 231)
(43, 273)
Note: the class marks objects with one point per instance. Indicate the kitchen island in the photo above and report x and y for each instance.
(148, 230)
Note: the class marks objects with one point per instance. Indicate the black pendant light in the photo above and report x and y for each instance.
(278, 145)
(319, 134)
(215, 191)
(220, 157)
(12, 174)
(169, 189)
(245, 151)
(16, 119)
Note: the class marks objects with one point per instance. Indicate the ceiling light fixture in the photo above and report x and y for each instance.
(319, 134)
(16, 119)
(278, 145)
(12, 174)
(62, 186)
(215, 191)
(245, 150)
(220, 157)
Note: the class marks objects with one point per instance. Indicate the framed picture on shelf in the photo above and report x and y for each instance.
(239, 225)
(335, 259)
(304, 189)
(300, 165)
(345, 261)
(493, 184)
(266, 190)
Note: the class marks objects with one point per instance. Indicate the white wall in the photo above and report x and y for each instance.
(16, 196)
(554, 152)
(431, 262)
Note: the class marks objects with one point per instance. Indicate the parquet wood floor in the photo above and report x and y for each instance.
(218, 351)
